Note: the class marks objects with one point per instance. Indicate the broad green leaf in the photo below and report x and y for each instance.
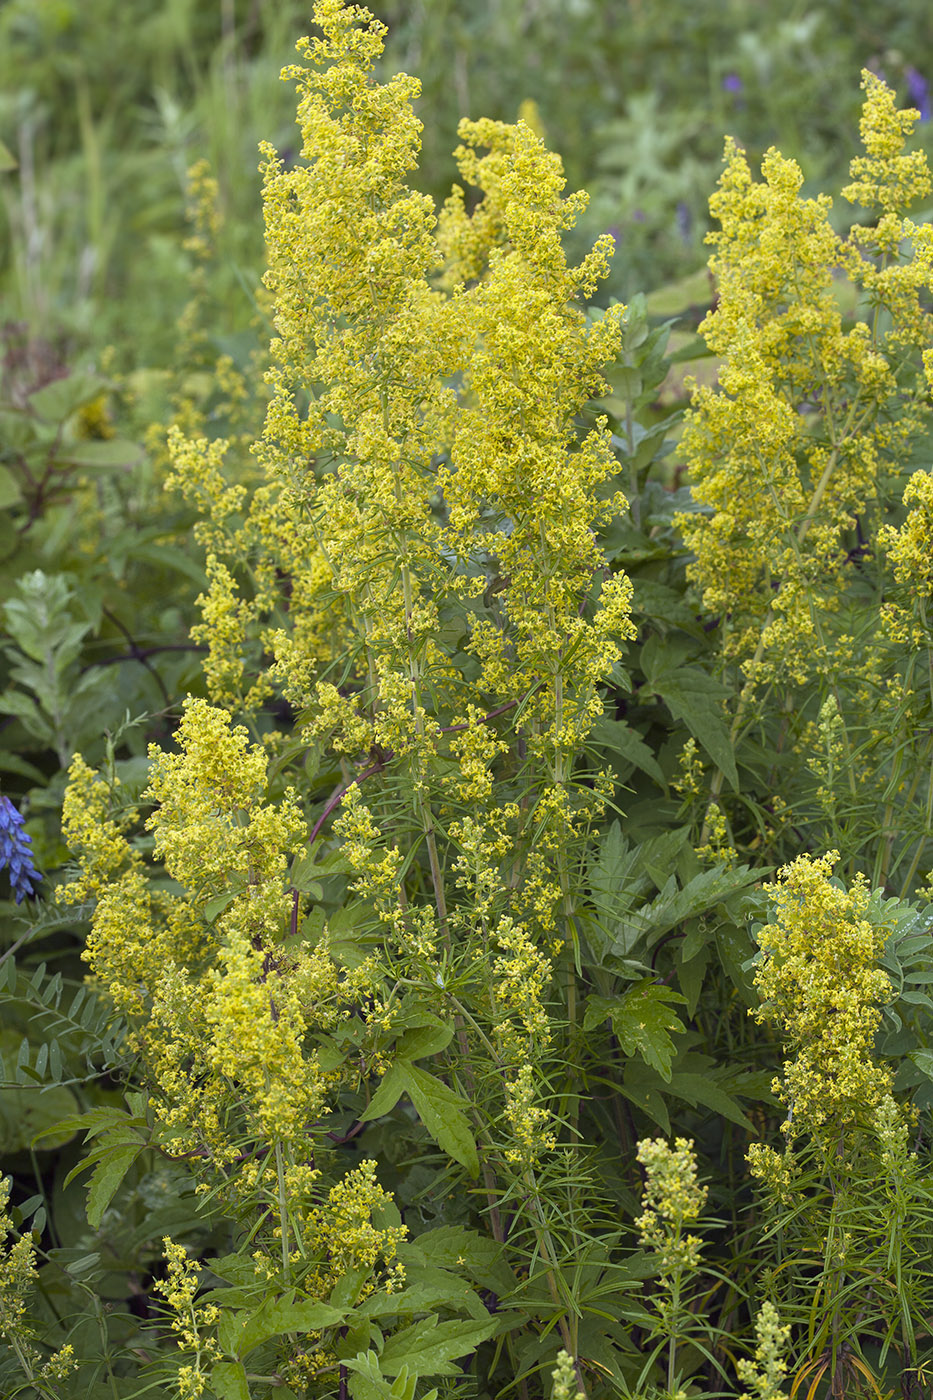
(691, 974)
(220, 902)
(417, 1044)
(393, 1086)
(640, 1085)
(617, 737)
(695, 291)
(697, 1088)
(106, 1179)
(455, 1246)
(429, 1347)
(346, 1290)
(426, 1289)
(735, 948)
(228, 1379)
(696, 699)
(242, 1333)
(441, 1112)
(101, 455)
(366, 1379)
(29, 1118)
(642, 1019)
(56, 401)
(674, 906)
(10, 493)
(923, 1059)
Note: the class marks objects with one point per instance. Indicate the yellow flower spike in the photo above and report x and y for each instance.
(819, 979)
(812, 411)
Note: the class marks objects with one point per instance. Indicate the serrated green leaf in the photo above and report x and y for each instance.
(616, 737)
(442, 1113)
(674, 906)
(107, 1177)
(696, 699)
(391, 1089)
(697, 1088)
(455, 1246)
(643, 1019)
(239, 1333)
(228, 1379)
(429, 1347)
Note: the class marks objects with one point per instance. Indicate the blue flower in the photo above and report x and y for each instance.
(919, 91)
(15, 851)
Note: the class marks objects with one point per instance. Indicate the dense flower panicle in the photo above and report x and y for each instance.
(819, 980)
(765, 1375)
(419, 561)
(908, 618)
(18, 1277)
(811, 412)
(672, 1199)
(16, 852)
(451, 497)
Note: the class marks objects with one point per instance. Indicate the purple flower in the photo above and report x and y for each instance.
(919, 91)
(15, 851)
(732, 83)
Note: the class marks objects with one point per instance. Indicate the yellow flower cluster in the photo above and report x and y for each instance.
(909, 619)
(765, 1375)
(672, 1199)
(222, 1001)
(819, 980)
(191, 1323)
(18, 1276)
(343, 1233)
(811, 412)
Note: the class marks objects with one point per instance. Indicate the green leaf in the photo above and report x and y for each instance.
(698, 1088)
(7, 159)
(56, 401)
(30, 1118)
(385, 1098)
(228, 1379)
(239, 1333)
(455, 1246)
(106, 1179)
(674, 906)
(642, 1019)
(429, 1347)
(101, 455)
(441, 1112)
(617, 737)
(219, 903)
(696, 699)
(426, 1290)
(923, 1059)
(10, 493)
(425, 1040)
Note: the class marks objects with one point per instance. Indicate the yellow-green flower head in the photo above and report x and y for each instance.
(819, 980)
(811, 412)
(211, 826)
(672, 1199)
